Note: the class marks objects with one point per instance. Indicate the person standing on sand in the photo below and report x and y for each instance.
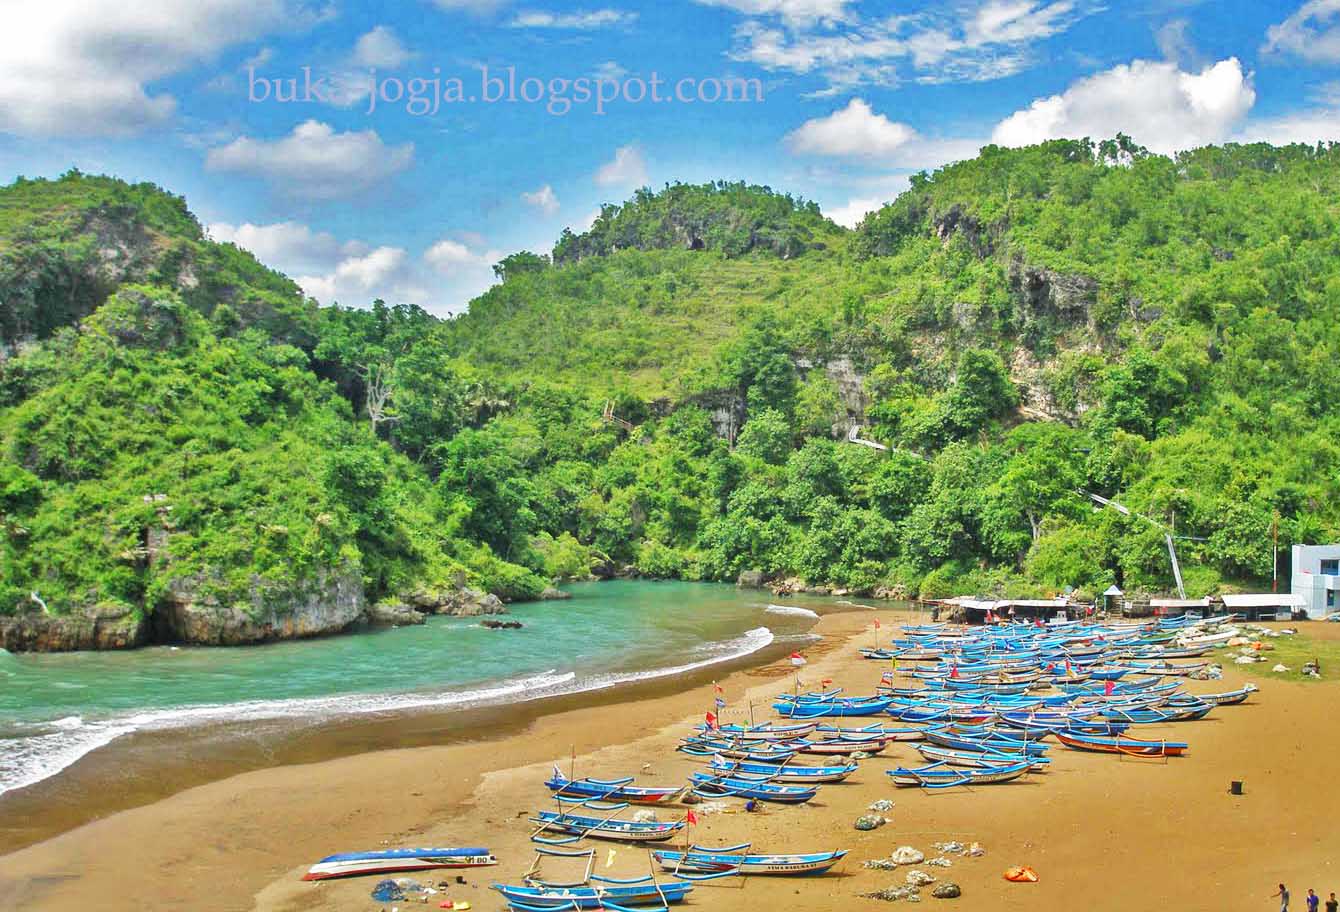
(1312, 900)
(1283, 896)
(1332, 905)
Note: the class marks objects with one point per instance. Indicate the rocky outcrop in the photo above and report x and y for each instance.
(458, 602)
(550, 594)
(751, 579)
(956, 221)
(393, 614)
(107, 626)
(490, 624)
(331, 602)
(1046, 299)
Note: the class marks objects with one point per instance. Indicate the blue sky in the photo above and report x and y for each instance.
(855, 96)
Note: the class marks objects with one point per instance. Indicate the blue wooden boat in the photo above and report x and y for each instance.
(940, 775)
(602, 893)
(352, 864)
(764, 752)
(869, 706)
(718, 786)
(579, 826)
(1119, 745)
(772, 772)
(738, 859)
(609, 789)
(766, 731)
(976, 758)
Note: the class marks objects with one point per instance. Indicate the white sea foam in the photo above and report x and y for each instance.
(791, 610)
(31, 752)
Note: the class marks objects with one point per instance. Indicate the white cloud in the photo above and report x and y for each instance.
(354, 273)
(357, 281)
(971, 41)
(315, 161)
(381, 48)
(1310, 127)
(855, 131)
(477, 7)
(580, 20)
(543, 199)
(291, 247)
(794, 12)
(85, 68)
(849, 214)
(1173, 42)
(1157, 104)
(610, 71)
(626, 169)
(1312, 33)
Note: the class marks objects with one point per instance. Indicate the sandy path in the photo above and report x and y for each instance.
(1102, 832)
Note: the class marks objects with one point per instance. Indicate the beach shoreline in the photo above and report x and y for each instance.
(244, 841)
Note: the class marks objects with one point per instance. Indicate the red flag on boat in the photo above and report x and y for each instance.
(717, 687)
(711, 720)
(797, 659)
(953, 672)
(1109, 687)
(826, 681)
(876, 623)
(691, 817)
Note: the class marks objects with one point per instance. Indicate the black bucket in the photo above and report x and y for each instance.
(1235, 787)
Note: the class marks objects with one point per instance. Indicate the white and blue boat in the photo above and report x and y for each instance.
(352, 864)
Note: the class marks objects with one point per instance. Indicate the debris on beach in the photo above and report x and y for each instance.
(906, 855)
(1280, 669)
(894, 894)
(1247, 660)
(976, 850)
(950, 848)
(861, 755)
(947, 890)
(645, 815)
(918, 878)
(870, 822)
(882, 806)
(880, 864)
(940, 862)
(1022, 874)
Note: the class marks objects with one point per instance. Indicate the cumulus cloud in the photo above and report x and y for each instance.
(1157, 104)
(291, 247)
(1311, 33)
(84, 68)
(793, 12)
(581, 20)
(972, 41)
(381, 48)
(855, 131)
(626, 169)
(1309, 127)
(315, 161)
(360, 279)
(544, 199)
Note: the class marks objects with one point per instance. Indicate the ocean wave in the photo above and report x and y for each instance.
(791, 610)
(33, 751)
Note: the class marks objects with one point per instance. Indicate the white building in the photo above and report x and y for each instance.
(1316, 577)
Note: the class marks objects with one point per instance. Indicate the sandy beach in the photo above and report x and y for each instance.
(1102, 832)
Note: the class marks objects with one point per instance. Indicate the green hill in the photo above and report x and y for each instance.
(1018, 329)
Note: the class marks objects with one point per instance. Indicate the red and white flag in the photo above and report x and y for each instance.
(797, 659)
(691, 818)
(711, 720)
(876, 623)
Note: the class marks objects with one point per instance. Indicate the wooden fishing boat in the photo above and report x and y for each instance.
(1121, 745)
(886, 732)
(868, 706)
(977, 759)
(738, 859)
(761, 752)
(766, 731)
(609, 789)
(718, 786)
(582, 826)
(771, 772)
(833, 747)
(940, 775)
(353, 864)
(1229, 697)
(602, 893)
(997, 744)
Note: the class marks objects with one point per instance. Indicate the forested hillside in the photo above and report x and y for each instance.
(179, 426)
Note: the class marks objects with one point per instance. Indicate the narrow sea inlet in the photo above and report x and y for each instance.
(57, 709)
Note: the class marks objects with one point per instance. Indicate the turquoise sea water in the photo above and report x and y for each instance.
(56, 708)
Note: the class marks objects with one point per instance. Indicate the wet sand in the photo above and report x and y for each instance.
(1102, 832)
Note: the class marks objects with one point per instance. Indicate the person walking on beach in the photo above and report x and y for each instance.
(1312, 900)
(1283, 896)
(1332, 905)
